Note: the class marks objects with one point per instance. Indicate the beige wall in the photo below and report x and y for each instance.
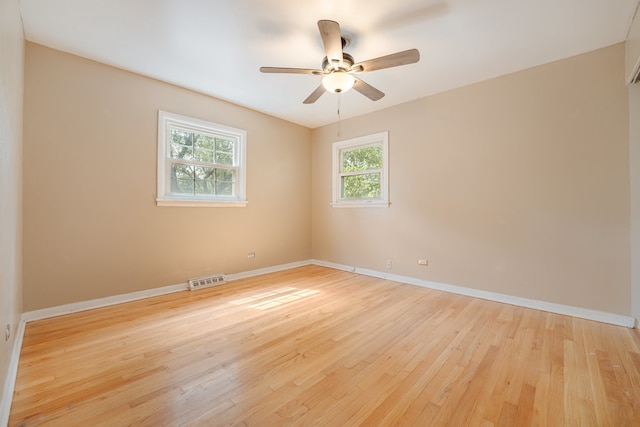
(518, 185)
(11, 83)
(92, 227)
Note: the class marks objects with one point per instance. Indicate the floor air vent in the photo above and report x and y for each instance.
(205, 282)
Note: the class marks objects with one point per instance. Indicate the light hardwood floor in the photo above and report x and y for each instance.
(317, 346)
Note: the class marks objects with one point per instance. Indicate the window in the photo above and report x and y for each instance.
(361, 172)
(200, 163)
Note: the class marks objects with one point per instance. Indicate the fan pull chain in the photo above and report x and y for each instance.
(339, 134)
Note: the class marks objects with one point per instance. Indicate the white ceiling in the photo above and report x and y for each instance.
(217, 46)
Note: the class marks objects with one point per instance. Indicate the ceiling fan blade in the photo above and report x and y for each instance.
(330, 33)
(289, 70)
(395, 59)
(314, 95)
(367, 90)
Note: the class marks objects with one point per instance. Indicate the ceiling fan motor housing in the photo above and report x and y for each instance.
(347, 63)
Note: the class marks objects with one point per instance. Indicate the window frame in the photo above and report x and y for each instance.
(164, 197)
(361, 142)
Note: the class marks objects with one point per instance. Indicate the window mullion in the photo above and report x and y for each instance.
(364, 172)
(203, 164)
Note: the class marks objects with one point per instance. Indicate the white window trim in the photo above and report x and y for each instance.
(362, 141)
(163, 198)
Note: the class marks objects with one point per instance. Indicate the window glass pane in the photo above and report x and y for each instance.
(182, 186)
(181, 171)
(204, 155)
(362, 159)
(366, 186)
(181, 146)
(224, 151)
(204, 148)
(225, 179)
(224, 188)
(204, 173)
(204, 141)
(205, 187)
(181, 179)
(181, 152)
(226, 175)
(223, 158)
(224, 145)
(205, 180)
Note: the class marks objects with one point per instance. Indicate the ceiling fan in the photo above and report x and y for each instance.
(338, 67)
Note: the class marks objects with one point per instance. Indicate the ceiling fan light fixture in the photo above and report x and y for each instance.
(338, 66)
(338, 81)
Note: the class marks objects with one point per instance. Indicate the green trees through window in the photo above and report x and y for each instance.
(361, 173)
(361, 170)
(193, 178)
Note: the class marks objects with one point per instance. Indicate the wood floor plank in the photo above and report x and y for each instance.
(318, 346)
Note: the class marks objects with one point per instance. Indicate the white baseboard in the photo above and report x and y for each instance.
(266, 270)
(333, 265)
(75, 307)
(600, 316)
(10, 381)
(583, 313)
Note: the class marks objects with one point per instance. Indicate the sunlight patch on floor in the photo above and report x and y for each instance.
(262, 295)
(275, 298)
(284, 299)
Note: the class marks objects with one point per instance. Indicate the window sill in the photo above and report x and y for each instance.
(376, 204)
(202, 203)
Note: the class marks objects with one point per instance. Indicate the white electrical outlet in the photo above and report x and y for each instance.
(251, 255)
(423, 262)
(388, 264)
